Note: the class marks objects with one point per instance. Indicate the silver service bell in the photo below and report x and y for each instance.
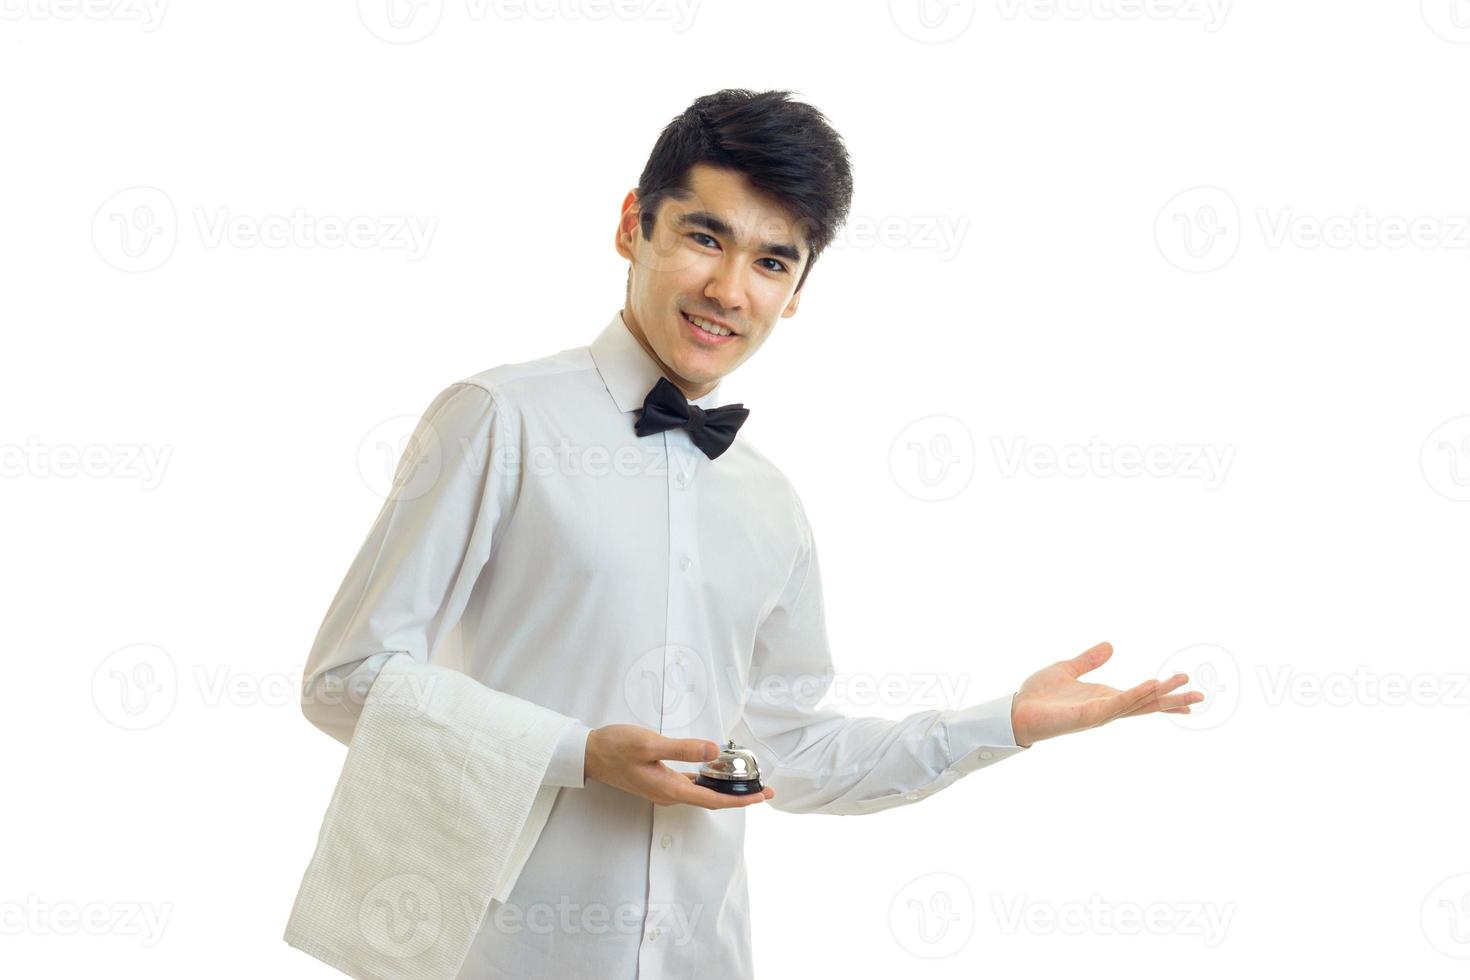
(734, 772)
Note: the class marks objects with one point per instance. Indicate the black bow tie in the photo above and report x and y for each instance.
(711, 430)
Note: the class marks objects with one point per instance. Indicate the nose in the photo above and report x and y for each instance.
(727, 286)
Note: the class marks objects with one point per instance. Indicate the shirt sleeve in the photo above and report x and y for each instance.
(820, 760)
(409, 584)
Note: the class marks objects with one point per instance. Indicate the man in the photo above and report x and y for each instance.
(591, 532)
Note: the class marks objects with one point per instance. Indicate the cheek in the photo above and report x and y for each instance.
(682, 264)
(662, 266)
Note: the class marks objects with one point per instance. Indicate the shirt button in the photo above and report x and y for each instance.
(667, 841)
(681, 479)
(652, 935)
(684, 563)
(913, 796)
(984, 755)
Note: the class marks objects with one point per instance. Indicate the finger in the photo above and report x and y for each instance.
(1177, 680)
(1180, 700)
(1090, 659)
(1165, 704)
(703, 796)
(1136, 695)
(767, 791)
(686, 749)
(1160, 703)
(692, 776)
(1125, 701)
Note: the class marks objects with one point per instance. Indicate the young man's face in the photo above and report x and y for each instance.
(725, 252)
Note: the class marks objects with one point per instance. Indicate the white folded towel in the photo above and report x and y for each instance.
(437, 808)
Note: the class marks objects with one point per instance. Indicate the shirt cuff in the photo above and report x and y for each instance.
(981, 734)
(568, 765)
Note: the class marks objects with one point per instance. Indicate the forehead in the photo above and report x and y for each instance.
(754, 216)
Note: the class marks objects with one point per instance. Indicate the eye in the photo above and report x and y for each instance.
(776, 264)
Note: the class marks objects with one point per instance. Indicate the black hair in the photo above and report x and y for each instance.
(782, 147)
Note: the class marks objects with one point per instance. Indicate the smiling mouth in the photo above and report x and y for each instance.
(711, 333)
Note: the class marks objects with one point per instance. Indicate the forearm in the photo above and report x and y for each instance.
(853, 765)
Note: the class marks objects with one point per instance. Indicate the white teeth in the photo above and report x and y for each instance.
(708, 327)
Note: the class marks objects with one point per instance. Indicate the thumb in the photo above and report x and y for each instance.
(688, 749)
(1093, 657)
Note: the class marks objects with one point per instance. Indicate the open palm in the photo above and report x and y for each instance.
(1055, 701)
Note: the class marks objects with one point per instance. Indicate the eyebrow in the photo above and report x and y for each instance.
(718, 225)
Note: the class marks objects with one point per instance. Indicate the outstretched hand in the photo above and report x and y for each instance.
(1053, 701)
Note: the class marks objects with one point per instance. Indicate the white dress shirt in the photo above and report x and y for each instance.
(559, 557)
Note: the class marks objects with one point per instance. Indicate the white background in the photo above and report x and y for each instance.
(1213, 228)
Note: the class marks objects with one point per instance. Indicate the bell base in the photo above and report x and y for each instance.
(730, 787)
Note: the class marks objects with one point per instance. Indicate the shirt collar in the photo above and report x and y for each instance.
(628, 370)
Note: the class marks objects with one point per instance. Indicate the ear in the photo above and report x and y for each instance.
(627, 230)
(792, 305)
